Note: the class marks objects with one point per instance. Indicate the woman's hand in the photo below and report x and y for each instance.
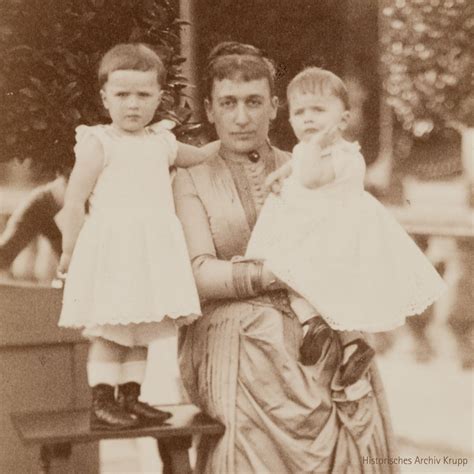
(274, 180)
(274, 183)
(270, 281)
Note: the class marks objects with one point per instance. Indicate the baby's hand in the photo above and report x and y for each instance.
(324, 138)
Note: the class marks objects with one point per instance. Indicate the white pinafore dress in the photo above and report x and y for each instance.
(340, 249)
(130, 271)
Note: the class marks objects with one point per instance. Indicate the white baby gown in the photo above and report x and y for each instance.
(130, 263)
(340, 249)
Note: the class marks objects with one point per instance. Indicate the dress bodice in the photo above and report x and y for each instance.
(135, 178)
(232, 193)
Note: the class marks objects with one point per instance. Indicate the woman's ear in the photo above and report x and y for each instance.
(274, 112)
(209, 111)
(103, 96)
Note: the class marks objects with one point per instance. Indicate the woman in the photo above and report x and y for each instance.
(239, 362)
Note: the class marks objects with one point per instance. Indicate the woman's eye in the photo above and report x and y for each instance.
(144, 94)
(121, 94)
(254, 103)
(227, 104)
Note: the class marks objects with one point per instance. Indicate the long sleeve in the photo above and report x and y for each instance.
(213, 276)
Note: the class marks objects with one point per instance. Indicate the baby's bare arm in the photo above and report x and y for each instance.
(314, 170)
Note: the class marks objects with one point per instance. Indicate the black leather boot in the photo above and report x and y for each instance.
(357, 364)
(317, 337)
(106, 413)
(127, 398)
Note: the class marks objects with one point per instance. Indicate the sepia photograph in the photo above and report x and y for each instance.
(236, 236)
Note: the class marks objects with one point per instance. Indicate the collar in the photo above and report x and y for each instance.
(226, 154)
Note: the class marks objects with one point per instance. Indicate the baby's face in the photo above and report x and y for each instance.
(312, 113)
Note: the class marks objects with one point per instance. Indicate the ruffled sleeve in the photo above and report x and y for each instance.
(348, 162)
(163, 129)
(85, 132)
(82, 132)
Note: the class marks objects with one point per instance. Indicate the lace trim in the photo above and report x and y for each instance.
(422, 295)
(181, 318)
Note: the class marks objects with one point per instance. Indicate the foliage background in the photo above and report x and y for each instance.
(49, 53)
(429, 64)
(428, 78)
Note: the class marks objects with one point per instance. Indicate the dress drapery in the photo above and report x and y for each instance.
(239, 362)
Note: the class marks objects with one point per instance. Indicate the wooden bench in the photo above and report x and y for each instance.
(55, 432)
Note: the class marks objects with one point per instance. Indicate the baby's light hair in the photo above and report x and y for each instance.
(314, 80)
(131, 56)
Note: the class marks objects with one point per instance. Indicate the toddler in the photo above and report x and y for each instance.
(129, 276)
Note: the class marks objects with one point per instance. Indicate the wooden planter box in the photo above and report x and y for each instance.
(42, 367)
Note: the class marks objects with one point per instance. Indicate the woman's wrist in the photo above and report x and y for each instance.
(252, 279)
(256, 277)
(268, 278)
(242, 279)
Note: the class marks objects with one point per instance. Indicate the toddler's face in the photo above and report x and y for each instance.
(312, 113)
(131, 97)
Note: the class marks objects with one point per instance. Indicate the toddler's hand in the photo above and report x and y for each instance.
(63, 264)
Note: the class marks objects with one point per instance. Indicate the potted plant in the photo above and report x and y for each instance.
(428, 65)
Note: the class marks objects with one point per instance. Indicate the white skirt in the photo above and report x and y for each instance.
(128, 270)
(351, 260)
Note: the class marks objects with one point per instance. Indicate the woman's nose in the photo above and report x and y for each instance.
(242, 116)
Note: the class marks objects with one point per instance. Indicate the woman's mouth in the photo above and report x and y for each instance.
(243, 135)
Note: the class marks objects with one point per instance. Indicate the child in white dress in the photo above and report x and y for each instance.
(336, 246)
(128, 272)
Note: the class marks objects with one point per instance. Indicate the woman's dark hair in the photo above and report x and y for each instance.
(234, 60)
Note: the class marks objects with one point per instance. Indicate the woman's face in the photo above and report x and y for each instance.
(241, 111)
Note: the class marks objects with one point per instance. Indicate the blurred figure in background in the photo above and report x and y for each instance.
(35, 216)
